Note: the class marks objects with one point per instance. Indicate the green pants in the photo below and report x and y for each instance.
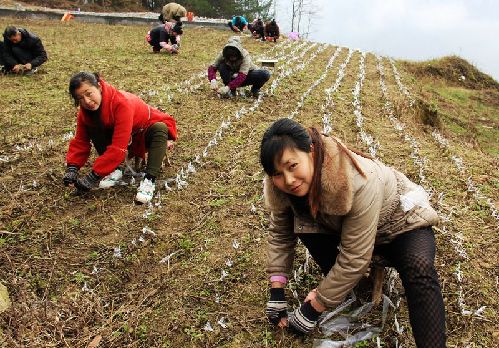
(156, 143)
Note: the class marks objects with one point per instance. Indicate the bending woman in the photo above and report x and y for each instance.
(118, 124)
(345, 206)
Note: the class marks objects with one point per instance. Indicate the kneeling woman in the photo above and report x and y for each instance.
(118, 124)
(345, 206)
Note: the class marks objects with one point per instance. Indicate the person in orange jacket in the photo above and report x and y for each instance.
(118, 124)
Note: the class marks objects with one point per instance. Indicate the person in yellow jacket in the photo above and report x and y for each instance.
(345, 207)
(172, 12)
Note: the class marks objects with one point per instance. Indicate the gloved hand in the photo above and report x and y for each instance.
(71, 175)
(214, 84)
(302, 321)
(88, 182)
(276, 306)
(224, 90)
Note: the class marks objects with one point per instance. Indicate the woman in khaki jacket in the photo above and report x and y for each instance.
(345, 206)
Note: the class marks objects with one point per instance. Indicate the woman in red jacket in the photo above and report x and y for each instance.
(118, 124)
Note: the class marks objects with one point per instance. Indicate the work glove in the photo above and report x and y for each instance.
(214, 84)
(88, 182)
(224, 90)
(303, 319)
(276, 306)
(71, 175)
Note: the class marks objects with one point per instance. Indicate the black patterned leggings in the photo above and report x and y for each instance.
(412, 254)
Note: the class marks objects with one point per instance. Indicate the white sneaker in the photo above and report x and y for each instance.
(145, 192)
(111, 179)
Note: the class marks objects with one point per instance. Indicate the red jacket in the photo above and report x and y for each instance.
(130, 117)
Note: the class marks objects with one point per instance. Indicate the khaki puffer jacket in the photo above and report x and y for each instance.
(243, 65)
(173, 9)
(364, 212)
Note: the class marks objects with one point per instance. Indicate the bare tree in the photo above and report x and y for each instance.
(302, 14)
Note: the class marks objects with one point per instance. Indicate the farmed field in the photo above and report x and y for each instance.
(189, 269)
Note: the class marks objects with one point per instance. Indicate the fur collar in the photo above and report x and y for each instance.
(336, 179)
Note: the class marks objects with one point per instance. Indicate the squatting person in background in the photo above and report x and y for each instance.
(22, 51)
(236, 70)
(272, 31)
(238, 24)
(118, 124)
(257, 29)
(346, 207)
(159, 36)
(172, 12)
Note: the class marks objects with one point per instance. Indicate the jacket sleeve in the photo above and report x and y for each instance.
(7, 54)
(212, 72)
(281, 244)
(238, 81)
(79, 146)
(357, 243)
(39, 53)
(116, 152)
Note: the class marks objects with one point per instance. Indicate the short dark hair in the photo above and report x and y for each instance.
(78, 78)
(178, 28)
(10, 31)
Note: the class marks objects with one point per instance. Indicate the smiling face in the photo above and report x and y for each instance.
(294, 172)
(88, 96)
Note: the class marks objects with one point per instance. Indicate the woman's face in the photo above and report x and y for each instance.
(88, 96)
(294, 172)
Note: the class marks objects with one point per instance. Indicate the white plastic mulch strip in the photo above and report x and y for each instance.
(328, 106)
(458, 161)
(359, 119)
(470, 184)
(420, 162)
(403, 89)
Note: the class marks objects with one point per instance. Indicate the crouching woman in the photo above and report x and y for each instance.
(345, 206)
(118, 124)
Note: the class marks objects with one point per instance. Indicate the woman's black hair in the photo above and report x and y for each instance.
(288, 134)
(178, 28)
(237, 21)
(230, 51)
(78, 78)
(282, 134)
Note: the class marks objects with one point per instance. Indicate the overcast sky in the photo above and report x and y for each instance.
(408, 29)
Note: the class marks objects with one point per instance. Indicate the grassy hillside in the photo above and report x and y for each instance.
(79, 268)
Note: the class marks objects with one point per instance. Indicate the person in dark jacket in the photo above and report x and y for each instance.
(237, 70)
(22, 51)
(272, 31)
(159, 37)
(257, 29)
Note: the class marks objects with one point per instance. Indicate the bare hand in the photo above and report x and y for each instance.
(170, 144)
(283, 323)
(27, 66)
(17, 67)
(312, 297)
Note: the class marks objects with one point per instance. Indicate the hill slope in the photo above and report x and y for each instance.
(80, 267)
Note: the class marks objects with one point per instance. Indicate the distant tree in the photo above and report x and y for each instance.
(302, 13)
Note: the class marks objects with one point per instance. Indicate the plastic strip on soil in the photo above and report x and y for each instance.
(444, 144)
(420, 162)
